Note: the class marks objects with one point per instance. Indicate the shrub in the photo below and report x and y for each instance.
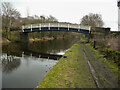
(113, 55)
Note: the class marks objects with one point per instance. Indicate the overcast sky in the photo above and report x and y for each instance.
(70, 10)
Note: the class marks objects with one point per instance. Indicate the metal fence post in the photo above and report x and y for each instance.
(68, 27)
(89, 28)
(23, 28)
(58, 26)
(78, 27)
(49, 26)
(31, 27)
(94, 44)
(39, 26)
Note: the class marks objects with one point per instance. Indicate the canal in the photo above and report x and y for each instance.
(25, 65)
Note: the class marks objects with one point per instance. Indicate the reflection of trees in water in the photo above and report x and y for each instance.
(53, 46)
(10, 64)
(13, 49)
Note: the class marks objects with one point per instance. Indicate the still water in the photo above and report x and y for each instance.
(25, 65)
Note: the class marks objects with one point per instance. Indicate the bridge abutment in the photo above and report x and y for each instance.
(24, 37)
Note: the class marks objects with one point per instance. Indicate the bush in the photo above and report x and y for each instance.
(113, 55)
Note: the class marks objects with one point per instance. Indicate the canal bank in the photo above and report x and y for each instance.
(73, 71)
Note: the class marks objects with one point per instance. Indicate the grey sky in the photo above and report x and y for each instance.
(70, 10)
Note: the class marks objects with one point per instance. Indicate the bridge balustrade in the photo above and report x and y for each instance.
(58, 25)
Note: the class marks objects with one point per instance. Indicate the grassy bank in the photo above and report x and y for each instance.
(70, 72)
(109, 63)
(40, 39)
(4, 41)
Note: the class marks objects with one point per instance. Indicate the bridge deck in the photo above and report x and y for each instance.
(56, 27)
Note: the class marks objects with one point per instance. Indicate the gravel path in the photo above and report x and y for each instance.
(93, 73)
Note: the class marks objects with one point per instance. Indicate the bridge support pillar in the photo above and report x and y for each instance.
(24, 37)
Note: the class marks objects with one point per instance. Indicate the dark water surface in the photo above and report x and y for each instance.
(25, 65)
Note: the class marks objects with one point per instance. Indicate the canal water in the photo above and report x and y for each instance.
(25, 65)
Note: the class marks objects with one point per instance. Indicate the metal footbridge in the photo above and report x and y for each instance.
(56, 27)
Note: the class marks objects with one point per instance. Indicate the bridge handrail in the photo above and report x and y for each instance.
(77, 26)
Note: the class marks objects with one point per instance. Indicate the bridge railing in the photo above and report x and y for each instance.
(77, 26)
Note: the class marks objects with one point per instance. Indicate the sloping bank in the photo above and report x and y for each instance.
(69, 72)
(106, 70)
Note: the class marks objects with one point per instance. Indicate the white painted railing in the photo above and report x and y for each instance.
(77, 26)
(118, 28)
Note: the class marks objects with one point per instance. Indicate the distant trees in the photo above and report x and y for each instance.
(94, 20)
(38, 19)
(42, 18)
(49, 18)
(52, 19)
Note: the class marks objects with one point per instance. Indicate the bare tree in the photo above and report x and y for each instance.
(52, 19)
(42, 17)
(27, 10)
(94, 20)
(9, 15)
(36, 17)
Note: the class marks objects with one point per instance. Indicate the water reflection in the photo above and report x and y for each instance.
(54, 46)
(45, 47)
(10, 63)
(25, 72)
(43, 55)
(25, 65)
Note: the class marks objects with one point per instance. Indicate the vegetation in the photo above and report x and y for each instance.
(9, 16)
(106, 70)
(107, 45)
(111, 55)
(14, 36)
(94, 20)
(104, 56)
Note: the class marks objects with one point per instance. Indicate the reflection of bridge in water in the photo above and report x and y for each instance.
(33, 54)
(12, 62)
(42, 55)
